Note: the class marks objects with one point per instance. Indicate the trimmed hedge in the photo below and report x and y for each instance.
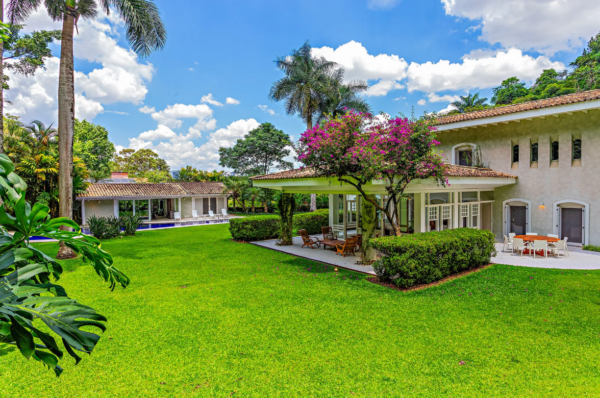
(312, 222)
(269, 226)
(431, 256)
(255, 228)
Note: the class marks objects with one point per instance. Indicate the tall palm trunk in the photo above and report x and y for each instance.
(313, 196)
(2, 82)
(66, 121)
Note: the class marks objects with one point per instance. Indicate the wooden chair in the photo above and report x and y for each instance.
(308, 241)
(349, 246)
(327, 233)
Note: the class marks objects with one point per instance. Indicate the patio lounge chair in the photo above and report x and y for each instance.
(349, 246)
(224, 213)
(194, 214)
(308, 241)
(177, 215)
(558, 246)
(327, 233)
(211, 214)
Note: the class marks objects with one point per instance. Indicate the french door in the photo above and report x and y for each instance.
(572, 225)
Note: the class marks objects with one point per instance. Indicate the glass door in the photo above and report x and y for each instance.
(572, 225)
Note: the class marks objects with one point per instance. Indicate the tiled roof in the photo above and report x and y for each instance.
(452, 171)
(153, 190)
(525, 106)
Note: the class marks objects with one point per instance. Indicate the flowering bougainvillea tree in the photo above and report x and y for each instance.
(356, 149)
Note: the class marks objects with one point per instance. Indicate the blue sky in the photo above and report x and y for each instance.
(413, 54)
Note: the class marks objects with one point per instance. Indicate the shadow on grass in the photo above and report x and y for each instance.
(6, 349)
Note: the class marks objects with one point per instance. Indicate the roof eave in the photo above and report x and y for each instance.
(524, 115)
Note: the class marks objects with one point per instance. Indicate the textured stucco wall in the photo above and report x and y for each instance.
(544, 184)
(186, 207)
(99, 208)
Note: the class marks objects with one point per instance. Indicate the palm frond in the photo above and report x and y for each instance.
(19, 10)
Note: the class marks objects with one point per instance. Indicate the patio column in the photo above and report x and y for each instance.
(286, 208)
(369, 223)
(82, 212)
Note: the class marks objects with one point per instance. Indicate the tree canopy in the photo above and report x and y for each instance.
(258, 152)
(91, 143)
(138, 163)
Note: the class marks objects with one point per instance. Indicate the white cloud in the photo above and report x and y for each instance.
(120, 78)
(209, 99)
(482, 72)
(421, 102)
(382, 4)
(546, 26)
(433, 97)
(117, 112)
(382, 88)
(191, 69)
(359, 64)
(146, 109)
(447, 109)
(232, 101)
(265, 108)
(162, 132)
(399, 98)
(172, 117)
(180, 150)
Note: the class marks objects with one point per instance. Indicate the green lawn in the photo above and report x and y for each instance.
(205, 316)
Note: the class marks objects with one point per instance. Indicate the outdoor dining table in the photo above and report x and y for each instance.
(332, 242)
(533, 238)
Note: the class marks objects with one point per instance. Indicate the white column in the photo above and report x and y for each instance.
(82, 211)
(423, 212)
(193, 203)
(456, 208)
(149, 209)
(179, 208)
(116, 213)
(345, 217)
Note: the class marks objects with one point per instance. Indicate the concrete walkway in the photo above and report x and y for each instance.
(578, 259)
(321, 255)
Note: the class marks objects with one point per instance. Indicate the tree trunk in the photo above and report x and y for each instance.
(66, 123)
(2, 82)
(287, 219)
(266, 207)
(253, 206)
(368, 218)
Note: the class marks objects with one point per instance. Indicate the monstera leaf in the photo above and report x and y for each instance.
(29, 295)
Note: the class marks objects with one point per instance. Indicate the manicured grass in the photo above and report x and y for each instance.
(205, 316)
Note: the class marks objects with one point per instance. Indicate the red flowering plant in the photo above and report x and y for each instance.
(356, 149)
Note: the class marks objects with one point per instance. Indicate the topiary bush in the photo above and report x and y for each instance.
(312, 222)
(428, 257)
(255, 228)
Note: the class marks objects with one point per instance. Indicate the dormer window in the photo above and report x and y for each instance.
(463, 155)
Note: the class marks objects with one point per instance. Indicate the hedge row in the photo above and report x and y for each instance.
(431, 256)
(268, 227)
(312, 222)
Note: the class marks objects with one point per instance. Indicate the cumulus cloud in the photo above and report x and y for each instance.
(120, 77)
(146, 109)
(265, 108)
(209, 99)
(173, 116)
(180, 150)
(481, 72)
(433, 97)
(447, 109)
(546, 26)
(232, 101)
(162, 132)
(421, 102)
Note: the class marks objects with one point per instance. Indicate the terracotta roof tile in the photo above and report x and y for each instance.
(525, 106)
(453, 171)
(152, 190)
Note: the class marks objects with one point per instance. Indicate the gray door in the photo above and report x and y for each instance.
(518, 220)
(205, 206)
(213, 205)
(572, 225)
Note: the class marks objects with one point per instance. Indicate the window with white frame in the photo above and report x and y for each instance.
(433, 218)
(475, 215)
(464, 216)
(446, 217)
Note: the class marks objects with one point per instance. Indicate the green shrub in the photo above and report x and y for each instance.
(255, 228)
(431, 256)
(592, 248)
(312, 222)
(104, 227)
(131, 223)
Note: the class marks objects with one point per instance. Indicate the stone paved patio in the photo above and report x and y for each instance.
(324, 256)
(578, 259)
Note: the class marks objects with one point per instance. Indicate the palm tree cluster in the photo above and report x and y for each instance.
(33, 148)
(314, 87)
(470, 102)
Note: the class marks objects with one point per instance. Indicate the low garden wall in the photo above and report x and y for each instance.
(428, 257)
(256, 228)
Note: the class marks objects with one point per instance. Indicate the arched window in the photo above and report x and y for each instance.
(462, 154)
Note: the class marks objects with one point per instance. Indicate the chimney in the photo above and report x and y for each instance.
(118, 175)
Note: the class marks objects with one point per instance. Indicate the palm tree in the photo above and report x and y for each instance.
(470, 101)
(40, 136)
(341, 97)
(237, 188)
(305, 84)
(145, 32)
(253, 195)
